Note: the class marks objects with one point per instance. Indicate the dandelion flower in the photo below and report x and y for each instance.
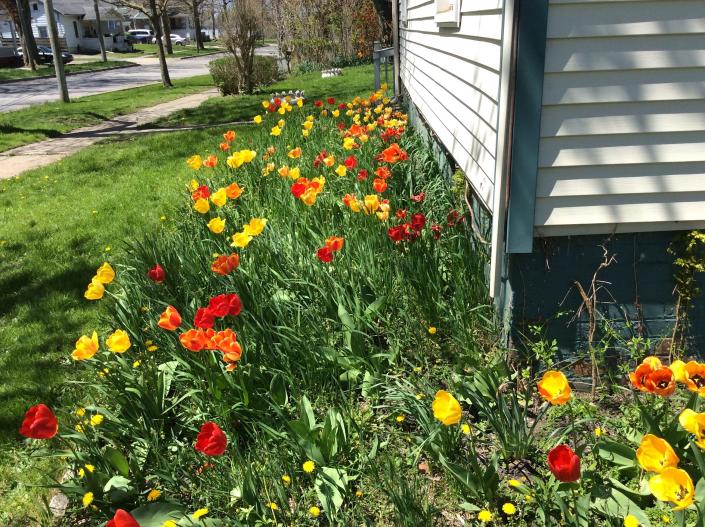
(286, 479)
(400, 418)
(96, 420)
(314, 511)
(273, 506)
(200, 513)
(154, 494)
(87, 499)
(169, 523)
(514, 483)
(509, 509)
(484, 516)
(631, 521)
(309, 466)
(432, 330)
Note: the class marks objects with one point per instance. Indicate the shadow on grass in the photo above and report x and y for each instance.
(38, 311)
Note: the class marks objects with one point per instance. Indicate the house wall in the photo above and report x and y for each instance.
(622, 145)
(452, 76)
(64, 25)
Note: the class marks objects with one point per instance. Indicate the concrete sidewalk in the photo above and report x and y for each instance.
(35, 155)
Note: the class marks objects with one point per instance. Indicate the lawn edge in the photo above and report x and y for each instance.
(70, 73)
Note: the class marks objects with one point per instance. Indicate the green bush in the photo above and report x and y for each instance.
(230, 82)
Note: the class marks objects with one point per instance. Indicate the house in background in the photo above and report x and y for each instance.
(579, 124)
(77, 26)
(181, 23)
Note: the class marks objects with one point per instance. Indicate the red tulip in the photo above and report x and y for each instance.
(211, 440)
(396, 234)
(204, 318)
(156, 274)
(418, 221)
(325, 254)
(362, 175)
(39, 423)
(122, 518)
(564, 463)
(418, 198)
(223, 305)
(351, 162)
(331, 100)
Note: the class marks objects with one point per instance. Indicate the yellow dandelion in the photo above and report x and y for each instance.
(309, 466)
(509, 509)
(154, 495)
(432, 330)
(97, 419)
(314, 511)
(87, 499)
(631, 521)
(286, 479)
(400, 418)
(200, 513)
(466, 429)
(484, 516)
(273, 506)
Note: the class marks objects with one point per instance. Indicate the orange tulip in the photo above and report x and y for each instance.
(233, 191)
(224, 265)
(170, 319)
(554, 387)
(695, 377)
(639, 376)
(194, 340)
(335, 243)
(661, 382)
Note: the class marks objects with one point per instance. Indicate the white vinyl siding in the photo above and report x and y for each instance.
(623, 123)
(452, 76)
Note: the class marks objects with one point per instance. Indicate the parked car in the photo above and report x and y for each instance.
(176, 40)
(142, 36)
(47, 57)
(9, 58)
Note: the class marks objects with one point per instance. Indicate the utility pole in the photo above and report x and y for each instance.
(56, 50)
(103, 56)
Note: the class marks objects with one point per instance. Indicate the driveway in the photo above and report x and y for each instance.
(17, 95)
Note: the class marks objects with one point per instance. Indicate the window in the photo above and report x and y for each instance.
(43, 32)
(447, 13)
(35, 7)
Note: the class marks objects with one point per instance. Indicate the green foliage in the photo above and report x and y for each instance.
(229, 81)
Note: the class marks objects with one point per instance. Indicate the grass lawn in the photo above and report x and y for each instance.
(229, 109)
(24, 73)
(57, 224)
(189, 50)
(43, 121)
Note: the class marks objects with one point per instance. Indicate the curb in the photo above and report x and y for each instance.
(69, 74)
(203, 54)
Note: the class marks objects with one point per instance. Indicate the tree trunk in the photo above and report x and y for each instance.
(155, 20)
(103, 56)
(56, 50)
(29, 45)
(166, 27)
(197, 25)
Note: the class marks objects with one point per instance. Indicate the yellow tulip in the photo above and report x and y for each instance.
(295, 173)
(305, 133)
(299, 102)
(446, 408)
(216, 225)
(248, 155)
(679, 373)
(281, 123)
(265, 104)
(241, 240)
(673, 485)
(202, 205)
(257, 119)
(341, 170)
(95, 290)
(86, 347)
(349, 143)
(105, 273)
(255, 227)
(235, 160)
(276, 131)
(219, 198)
(309, 197)
(694, 423)
(119, 341)
(308, 125)
(554, 387)
(281, 110)
(655, 454)
(371, 203)
(194, 162)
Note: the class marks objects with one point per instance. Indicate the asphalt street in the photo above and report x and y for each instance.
(17, 95)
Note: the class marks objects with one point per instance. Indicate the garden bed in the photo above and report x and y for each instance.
(310, 341)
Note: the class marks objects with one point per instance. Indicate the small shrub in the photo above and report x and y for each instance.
(228, 80)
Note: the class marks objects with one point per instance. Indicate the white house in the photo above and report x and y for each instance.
(577, 123)
(76, 24)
